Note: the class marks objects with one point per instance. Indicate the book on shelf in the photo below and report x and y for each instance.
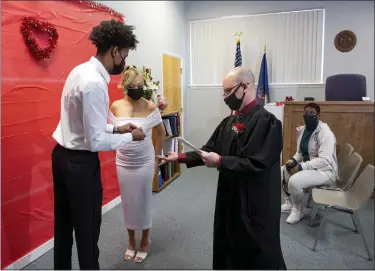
(166, 171)
(170, 145)
(171, 124)
(160, 178)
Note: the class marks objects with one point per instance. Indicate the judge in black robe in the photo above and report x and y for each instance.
(246, 149)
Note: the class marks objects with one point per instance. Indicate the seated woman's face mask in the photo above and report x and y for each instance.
(311, 121)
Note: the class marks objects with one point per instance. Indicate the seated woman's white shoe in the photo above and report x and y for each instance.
(287, 206)
(295, 216)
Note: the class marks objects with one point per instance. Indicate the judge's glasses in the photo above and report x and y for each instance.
(228, 91)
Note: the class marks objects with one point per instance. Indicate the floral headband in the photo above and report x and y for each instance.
(133, 67)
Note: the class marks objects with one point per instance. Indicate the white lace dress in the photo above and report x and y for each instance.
(135, 172)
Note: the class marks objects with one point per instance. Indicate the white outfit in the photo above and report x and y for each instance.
(321, 169)
(84, 111)
(322, 151)
(135, 165)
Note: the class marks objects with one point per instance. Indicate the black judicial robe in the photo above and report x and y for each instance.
(247, 212)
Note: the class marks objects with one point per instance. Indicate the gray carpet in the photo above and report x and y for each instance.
(182, 233)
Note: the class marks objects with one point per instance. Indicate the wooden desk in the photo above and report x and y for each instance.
(351, 122)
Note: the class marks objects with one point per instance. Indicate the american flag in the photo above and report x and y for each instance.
(238, 58)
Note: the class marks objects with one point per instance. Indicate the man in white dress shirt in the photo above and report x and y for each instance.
(81, 133)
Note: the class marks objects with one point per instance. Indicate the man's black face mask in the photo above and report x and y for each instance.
(117, 69)
(232, 101)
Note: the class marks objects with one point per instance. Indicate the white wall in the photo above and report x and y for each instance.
(204, 107)
(159, 26)
(340, 15)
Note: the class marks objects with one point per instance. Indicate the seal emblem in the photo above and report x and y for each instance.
(345, 41)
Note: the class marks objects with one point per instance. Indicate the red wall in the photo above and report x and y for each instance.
(30, 108)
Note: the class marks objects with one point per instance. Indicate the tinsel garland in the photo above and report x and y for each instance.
(30, 23)
(95, 5)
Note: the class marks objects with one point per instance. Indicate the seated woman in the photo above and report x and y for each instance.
(314, 163)
(136, 164)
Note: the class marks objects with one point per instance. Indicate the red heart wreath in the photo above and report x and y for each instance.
(31, 23)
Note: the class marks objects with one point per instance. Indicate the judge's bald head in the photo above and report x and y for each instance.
(239, 82)
(240, 75)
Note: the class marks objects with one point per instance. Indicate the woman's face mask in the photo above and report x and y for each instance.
(232, 101)
(135, 93)
(311, 121)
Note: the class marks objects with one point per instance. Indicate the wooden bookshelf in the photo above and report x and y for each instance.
(169, 171)
(172, 72)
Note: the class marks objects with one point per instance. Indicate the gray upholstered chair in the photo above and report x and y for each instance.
(345, 87)
(344, 153)
(348, 174)
(347, 201)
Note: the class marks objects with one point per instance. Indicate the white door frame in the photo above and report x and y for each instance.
(167, 53)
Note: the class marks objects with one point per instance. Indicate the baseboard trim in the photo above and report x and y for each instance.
(41, 250)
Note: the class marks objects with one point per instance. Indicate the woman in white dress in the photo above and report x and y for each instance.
(137, 163)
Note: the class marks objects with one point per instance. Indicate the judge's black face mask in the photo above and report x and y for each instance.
(135, 93)
(311, 121)
(233, 102)
(117, 69)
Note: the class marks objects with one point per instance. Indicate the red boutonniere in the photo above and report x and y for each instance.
(238, 128)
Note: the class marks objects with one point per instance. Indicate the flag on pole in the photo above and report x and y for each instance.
(263, 92)
(238, 57)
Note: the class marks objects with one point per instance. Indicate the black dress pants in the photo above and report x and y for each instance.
(78, 196)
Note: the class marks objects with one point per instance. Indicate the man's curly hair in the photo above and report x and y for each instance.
(113, 33)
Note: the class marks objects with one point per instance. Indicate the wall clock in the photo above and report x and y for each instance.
(345, 41)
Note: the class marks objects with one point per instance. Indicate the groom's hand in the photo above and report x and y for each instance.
(127, 128)
(138, 134)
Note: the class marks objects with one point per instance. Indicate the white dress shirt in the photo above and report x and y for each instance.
(84, 111)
